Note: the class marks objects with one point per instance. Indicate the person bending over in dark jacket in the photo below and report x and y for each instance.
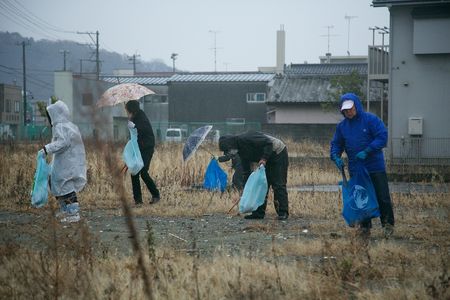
(146, 141)
(256, 147)
(362, 136)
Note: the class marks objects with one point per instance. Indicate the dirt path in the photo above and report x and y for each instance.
(230, 234)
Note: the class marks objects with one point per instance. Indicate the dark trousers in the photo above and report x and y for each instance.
(68, 198)
(147, 155)
(276, 172)
(380, 183)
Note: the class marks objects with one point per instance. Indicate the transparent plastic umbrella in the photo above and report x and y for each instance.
(194, 141)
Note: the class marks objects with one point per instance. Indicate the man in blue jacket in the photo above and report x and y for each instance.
(362, 136)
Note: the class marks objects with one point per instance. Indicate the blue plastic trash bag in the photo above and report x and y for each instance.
(215, 177)
(39, 192)
(255, 191)
(132, 155)
(360, 200)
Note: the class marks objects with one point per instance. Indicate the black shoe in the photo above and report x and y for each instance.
(254, 217)
(155, 200)
(137, 203)
(283, 216)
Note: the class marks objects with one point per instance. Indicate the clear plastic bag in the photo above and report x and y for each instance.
(39, 191)
(255, 191)
(132, 155)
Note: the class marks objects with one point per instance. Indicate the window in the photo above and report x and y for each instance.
(87, 99)
(16, 106)
(256, 97)
(235, 121)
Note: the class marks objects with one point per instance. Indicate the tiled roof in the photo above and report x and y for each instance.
(325, 69)
(222, 77)
(157, 80)
(298, 90)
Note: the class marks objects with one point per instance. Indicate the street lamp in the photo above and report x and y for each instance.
(173, 57)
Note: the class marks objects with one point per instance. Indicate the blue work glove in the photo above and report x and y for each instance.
(362, 155)
(339, 162)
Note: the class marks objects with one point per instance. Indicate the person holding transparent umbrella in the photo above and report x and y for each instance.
(257, 147)
(146, 141)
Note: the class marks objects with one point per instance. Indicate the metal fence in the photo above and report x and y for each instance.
(420, 151)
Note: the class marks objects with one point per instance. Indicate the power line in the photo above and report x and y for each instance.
(24, 20)
(17, 71)
(133, 61)
(97, 46)
(42, 21)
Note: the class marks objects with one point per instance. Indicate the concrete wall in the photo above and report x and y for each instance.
(299, 132)
(419, 85)
(305, 113)
(90, 119)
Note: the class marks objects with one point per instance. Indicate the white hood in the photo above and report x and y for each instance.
(68, 173)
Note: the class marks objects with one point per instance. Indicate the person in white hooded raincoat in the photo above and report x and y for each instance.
(68, 167)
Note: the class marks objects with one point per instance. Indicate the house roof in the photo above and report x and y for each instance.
(298, 90)
(222, 77)
(152, 80)
(381, 3)
(325, 69)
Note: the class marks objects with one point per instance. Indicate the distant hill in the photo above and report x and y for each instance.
(43, 57)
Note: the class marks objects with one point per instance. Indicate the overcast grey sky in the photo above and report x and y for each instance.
(246, 29)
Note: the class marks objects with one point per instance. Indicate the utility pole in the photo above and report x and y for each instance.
(24, 71)
(133, 61)
(173, 57)
(349, 18)
(215, 48)
(64, 52)
(97, 48)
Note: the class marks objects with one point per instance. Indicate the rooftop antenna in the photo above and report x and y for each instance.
(215, 32)
(349, 18)
(328, 35)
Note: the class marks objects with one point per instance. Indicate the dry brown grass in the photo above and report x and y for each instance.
(330, 264)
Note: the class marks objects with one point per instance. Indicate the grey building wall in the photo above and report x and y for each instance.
(419, 87)
(215, 102)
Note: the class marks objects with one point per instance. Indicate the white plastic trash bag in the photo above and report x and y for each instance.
(132, 155)
(255, 191)
(39, 191)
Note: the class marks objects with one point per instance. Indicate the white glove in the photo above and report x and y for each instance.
(131, 125)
